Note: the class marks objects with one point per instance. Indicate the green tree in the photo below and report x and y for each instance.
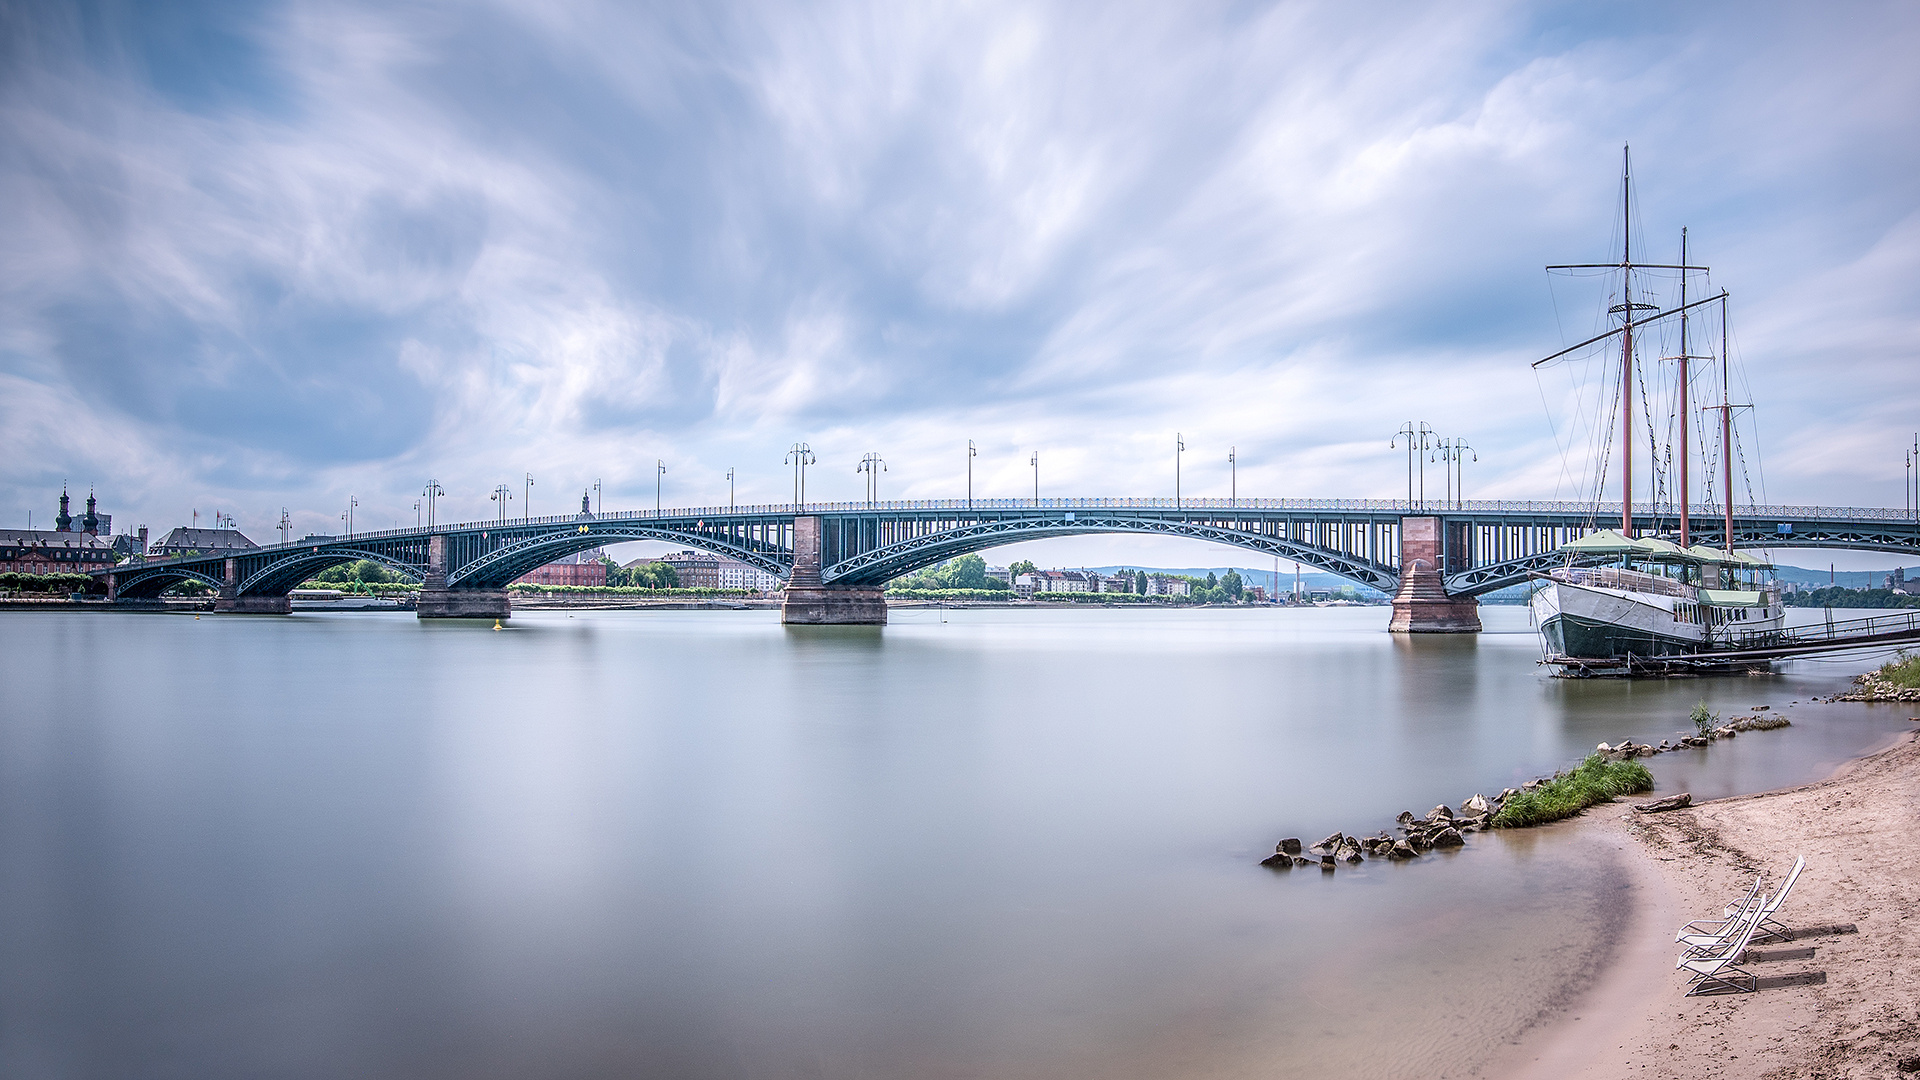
(1140, 582)
(655, 575)
(1232, 584)
(965, 572)
(1024, 566)
(1212, 582)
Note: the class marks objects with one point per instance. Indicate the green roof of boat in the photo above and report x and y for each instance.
(1604, 542)
(1612, 542)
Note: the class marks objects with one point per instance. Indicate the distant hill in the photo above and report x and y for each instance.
(1846, 579)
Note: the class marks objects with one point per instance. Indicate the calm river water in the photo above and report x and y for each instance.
(1000, 843)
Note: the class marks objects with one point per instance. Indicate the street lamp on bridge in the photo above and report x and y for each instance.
(1036, 477)
(1417, 446)
(352, 501)
(730, 504)
(1233, 478)
(1179, 447)
(971, 454)
(1451, 453)
(432, 491)
(285, 527)
(659, 470)
(873, 466)
(597, 508)
(526, 504)
(501, 495)
(799, 455)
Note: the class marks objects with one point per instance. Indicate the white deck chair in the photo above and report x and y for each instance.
(1718, 974)
(1704, 937)
(1772, 929)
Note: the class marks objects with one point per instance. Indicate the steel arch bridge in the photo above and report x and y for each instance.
(1482, 546)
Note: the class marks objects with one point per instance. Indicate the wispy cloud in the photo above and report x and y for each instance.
(273, 257)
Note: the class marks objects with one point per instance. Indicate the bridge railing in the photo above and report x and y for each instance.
(1601, 513)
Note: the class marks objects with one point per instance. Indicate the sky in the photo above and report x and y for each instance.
(267, 256)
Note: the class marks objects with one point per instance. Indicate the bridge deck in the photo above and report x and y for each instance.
(1483, 546)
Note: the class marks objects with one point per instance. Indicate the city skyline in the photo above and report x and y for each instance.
(274, 256)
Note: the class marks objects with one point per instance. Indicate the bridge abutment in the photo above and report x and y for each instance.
(1422, 606)
(234, 604)
(810, 602)
(436, 601)
(445, 603)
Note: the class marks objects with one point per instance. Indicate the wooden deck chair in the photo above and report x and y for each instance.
(1718, 974)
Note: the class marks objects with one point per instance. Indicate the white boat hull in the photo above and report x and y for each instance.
(1593, 622)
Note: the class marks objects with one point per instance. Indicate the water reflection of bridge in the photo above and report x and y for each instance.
(837, 557)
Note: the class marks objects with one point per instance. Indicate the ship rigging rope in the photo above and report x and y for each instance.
(1653, 446)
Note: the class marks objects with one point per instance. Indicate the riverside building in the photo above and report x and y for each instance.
(60, 550)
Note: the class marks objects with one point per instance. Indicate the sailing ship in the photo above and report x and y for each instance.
(1628, 593)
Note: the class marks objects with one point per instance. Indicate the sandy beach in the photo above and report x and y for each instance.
(1842, 999)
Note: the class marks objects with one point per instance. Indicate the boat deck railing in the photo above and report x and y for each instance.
(1877, 627)
(1611, 577)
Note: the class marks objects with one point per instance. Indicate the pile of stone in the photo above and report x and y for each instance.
(1874, 687)
(1439, 830)
(1762, 720)
(1443, 829)
(1627, 748)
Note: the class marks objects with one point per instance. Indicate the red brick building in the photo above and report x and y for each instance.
(584, 569)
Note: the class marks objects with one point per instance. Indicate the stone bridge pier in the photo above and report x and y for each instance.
(1422, 605)
(811, 602)
(232, 602)
(437, 601)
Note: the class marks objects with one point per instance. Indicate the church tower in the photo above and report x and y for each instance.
(63, 522)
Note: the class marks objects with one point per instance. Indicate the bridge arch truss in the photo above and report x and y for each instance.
(869, 550)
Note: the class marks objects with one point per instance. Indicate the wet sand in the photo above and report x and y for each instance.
(1833, 1002)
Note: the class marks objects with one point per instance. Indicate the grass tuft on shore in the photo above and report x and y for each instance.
(1903, 671)
(1595, 780)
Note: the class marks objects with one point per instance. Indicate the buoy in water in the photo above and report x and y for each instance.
(497, 626)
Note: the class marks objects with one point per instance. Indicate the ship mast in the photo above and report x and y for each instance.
(1626, 341)
(1627, 309)
(1726, 434)
(1684, 470)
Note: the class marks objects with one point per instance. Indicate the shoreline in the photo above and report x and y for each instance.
(1829, 1004)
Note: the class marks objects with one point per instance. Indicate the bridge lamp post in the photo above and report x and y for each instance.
(432, 492)
(873, 466)
(501, 494)
(1036, 477)
(971, 454)
(352, 502)
(1233, 477)
(1179, 447)
(285, 526)
(730, 503)
(799, 455)
(1461, 451)
(416, 515)
(1417, 446)
(597, 508)
(659, 470)
(526, 503)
